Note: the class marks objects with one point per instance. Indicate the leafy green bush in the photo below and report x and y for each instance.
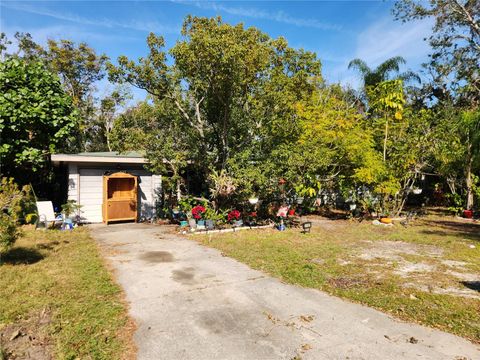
(11, 198)
(456, 203)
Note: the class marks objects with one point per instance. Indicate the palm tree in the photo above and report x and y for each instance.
(388, 70)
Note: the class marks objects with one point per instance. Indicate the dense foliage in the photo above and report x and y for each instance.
(36, 116)
(12, 206)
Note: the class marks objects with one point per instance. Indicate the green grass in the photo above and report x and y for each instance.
(328, 259)
(63, 273)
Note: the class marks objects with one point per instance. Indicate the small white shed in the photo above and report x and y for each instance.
(86, 181)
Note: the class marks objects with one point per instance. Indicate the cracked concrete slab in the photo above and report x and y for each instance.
(190, 302)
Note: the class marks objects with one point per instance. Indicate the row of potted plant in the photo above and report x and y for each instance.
(234, 217)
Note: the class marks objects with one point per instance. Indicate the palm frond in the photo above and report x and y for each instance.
(389, 65)
(361, 66)
(410, 76)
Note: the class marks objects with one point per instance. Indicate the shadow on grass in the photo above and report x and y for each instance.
(22, 255)
(473, 285)
(444, 227)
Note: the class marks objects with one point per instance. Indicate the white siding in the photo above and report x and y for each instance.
(73, 182)
(91, 194)
(88, 184)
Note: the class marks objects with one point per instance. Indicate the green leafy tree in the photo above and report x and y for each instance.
(455, 41)
(455, 68)
(79, 68)
(36, 116)
(458, 149)
(229, 85)
(333, 143)
(386, 101)
(155, 130)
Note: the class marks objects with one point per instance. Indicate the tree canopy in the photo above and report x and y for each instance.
(36, 116)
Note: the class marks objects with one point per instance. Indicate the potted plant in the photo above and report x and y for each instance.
(71, 208)
(281, 214)
(234, 218)
(252, 218)
(197, 213)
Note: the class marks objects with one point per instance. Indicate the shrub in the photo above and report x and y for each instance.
(11, 200)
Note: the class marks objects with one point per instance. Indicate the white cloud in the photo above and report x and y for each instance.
(387, 38)
(133, 25)
(382, 40)
(42, 34)
(278, 16)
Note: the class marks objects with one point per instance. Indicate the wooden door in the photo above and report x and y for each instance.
(120, 197)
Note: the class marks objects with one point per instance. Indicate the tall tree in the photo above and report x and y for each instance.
(455, 66)
(36, 117)
(455, 40)
(79, 68)
(228, 84)
(155, 130)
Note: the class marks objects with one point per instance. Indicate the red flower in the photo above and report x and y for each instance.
(291, 212)
(233, 215)
(197, 212)
(253, 214)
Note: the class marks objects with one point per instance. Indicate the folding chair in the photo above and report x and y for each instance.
(46, 216)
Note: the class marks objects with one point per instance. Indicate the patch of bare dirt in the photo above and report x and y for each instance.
(450, 290)
(454, 263)
(324, 223)
(465, 276)
(27, 339)
(407, 267)
(392, 250)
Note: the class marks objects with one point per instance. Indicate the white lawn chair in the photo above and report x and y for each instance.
(46, 215)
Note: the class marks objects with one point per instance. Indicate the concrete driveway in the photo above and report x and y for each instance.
(190, 302)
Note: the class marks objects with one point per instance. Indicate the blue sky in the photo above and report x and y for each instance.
(337, 31)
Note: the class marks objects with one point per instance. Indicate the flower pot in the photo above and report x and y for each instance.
(201, 222)
(253, 200)
(300, 200)
(417, 191)
(468, 214)
(238, 223)
(353, 207)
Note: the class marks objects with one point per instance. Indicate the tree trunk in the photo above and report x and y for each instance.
(385, 141)
(108, 142)
(468, 178)
(406, 190)
(179, 191)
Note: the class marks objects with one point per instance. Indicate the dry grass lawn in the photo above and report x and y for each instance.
(58, 300)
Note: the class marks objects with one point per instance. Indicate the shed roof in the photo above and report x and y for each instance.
(130, 157)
